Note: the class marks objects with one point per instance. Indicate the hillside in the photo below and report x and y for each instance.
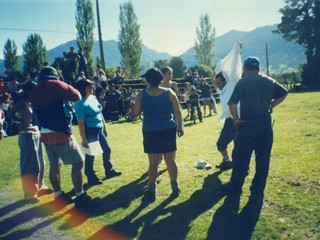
(283, 56)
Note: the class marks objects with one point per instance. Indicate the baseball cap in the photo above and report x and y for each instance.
(252, 62)
(83, 83)
(48, 72)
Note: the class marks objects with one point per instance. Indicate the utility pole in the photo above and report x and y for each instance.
(267, 57)
(100, 38)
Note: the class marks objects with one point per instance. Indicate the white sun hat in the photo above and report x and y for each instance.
(203, 164)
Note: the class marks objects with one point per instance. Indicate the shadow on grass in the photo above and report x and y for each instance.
(179, 217)
(42, 211)
(11, 207)
(25, 233)
(228, 224)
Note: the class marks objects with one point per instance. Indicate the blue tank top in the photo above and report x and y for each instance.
(157, 112)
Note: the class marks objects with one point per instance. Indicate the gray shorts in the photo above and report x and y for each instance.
(69, 153)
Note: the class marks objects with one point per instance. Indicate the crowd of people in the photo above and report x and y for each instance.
(45, 111)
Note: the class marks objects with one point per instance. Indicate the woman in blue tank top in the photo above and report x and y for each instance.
(162, 122)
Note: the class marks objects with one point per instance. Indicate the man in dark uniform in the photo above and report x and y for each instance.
(258, 95)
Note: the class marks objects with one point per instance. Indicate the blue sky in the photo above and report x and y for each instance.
(166, 25)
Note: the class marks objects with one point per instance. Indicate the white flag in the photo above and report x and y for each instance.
(231, 65)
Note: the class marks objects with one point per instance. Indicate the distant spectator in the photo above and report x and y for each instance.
(3, 124)
(72, 59)
(187, 93)
(83, 63)
(71, 79)
(14, 87)
(167, 80)
(59, 71)
(81, 76)
(118, 76)
(102, 77)
(3, 87)
(195, 104)
(206, 95)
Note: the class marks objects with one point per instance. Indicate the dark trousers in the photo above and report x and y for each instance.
(198, 112)
(96, 134)
(227, 135)
(254, 135)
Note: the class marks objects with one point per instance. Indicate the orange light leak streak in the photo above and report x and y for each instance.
(77, 217)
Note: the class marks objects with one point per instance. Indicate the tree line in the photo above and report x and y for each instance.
(300, 23)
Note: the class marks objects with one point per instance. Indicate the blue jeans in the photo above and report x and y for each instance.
(254, 135)
(96, 134)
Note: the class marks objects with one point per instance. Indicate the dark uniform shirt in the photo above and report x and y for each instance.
(255, 93)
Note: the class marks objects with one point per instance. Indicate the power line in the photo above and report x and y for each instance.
(34, 30)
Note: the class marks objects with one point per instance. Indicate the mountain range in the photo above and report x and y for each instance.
(283, 56)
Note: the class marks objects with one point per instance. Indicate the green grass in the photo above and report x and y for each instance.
(291, 204)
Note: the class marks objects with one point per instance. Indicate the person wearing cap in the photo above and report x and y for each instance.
(51, 100)
(258, 96)
(160, 128)
(92, 128)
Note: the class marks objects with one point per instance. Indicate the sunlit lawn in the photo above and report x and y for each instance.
(291, 204)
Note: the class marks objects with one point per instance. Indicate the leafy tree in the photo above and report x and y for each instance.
(85, 27)
(300, 23)
(34, 53)
(204, 47)
(110, 71)
(177, 65)
(204, 71)
(130, 43)
(161, 63)
(11, 59)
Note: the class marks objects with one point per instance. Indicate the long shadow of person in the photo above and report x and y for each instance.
(12, 207)
(25, 233)
(121, 199)
(248, 217)
(177, 223)
(224, 219)
(38, 212)
(227, 224)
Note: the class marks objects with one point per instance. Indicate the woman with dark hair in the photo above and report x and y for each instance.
(31, 154)
(92, 128)
(160, 127)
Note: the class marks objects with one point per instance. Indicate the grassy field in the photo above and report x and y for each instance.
(290, 209)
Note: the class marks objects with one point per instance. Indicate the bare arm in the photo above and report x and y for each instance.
(83, 133)
(104, 127)
(137, 105)
(177, 112)
(234, 112)
(276, 102)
